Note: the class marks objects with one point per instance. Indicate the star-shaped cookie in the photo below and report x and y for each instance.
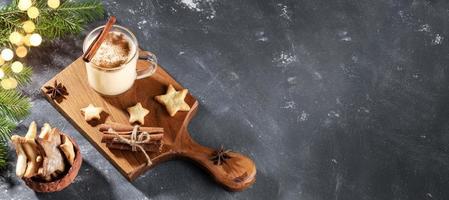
(91, 112)
(137, 113)
(174, 100)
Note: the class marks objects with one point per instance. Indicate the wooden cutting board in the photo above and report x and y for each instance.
(237, 173)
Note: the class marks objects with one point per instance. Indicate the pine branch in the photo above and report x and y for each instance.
(6, 127)
(10, 18)
(22, 78)
(69, 18)
(3, 155)
(13, 105)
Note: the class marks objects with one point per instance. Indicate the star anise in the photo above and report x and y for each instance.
(57, 91)
(220, 156)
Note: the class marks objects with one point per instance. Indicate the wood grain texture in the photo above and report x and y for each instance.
(237, 173)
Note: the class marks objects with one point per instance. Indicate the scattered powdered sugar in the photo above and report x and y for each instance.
(363, 109)
(333, 114)
(354, 58)
(141, 23)
(173, 10)
(437, 40)
(261, 36)
(263, 39)
(338, 101)
(202, 6)
(346, 39)
(284, 12)
(317, 75)
(249, 123)
(192, 4)
(285, 58)
(289, 105)
(233, 76)
(303, 116)
(291, 80)
(132, 11)
(344, 36)
(424, 28)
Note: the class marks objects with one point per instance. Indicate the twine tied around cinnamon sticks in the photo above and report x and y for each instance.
(135, 141)
(132, 138)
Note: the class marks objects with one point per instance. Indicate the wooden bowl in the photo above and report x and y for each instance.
(65, 180)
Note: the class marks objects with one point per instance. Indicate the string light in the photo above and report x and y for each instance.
(29, 26)
(53, 3)
(26, 40)
(16, 67)
(5, 84)
(15, 38)
(30, 39)
(24, 4)
(13, 82)
(2, 73)
(9, 83)
(21, 51)
(7, 54)
(35, 39)
(33, 12)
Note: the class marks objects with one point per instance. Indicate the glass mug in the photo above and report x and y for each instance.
(117, 80)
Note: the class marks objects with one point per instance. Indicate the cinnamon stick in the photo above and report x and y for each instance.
(96, 43)
(129, 132)
(156, 142)
(120, 132)
(128, 128)
(107, 138)
(151, 148)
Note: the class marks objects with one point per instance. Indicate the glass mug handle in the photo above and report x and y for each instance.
(151, 64)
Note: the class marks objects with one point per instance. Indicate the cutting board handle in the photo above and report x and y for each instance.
(235, 174)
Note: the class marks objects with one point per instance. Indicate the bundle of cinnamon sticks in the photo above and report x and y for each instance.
(110, 131)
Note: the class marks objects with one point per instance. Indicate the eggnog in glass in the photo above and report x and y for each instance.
(112, 70)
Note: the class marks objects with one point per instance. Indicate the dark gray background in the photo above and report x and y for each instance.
(332, 99)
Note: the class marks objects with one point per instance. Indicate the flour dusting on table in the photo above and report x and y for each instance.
(202, 6)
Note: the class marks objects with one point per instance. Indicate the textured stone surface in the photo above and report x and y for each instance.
(332, 99)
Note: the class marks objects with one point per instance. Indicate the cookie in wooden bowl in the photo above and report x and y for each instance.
(48, 162)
